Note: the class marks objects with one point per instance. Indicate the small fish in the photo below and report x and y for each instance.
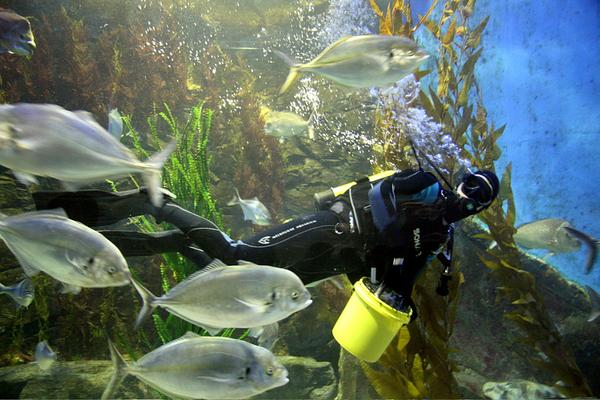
(285, 124)
(115, 123)
(253, 209)
(595, 300)
(238, 296)
(557, 236)
(15, 34)
(44, 356)
(22, 293)
(361, 61)
(67, 250)
(194, 367)
(47, 140)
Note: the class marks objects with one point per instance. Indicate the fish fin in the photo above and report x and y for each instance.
(70, 289)
(588, 242)
(492, 245)
(244, 262)
(289, 81)
(236, 198)
(212, 330)
(260, 308)
(25, 178)
(595, 300)
(268, 336)
(190, 335)
(148, 302)
(153, 173)
(214, 265)
(311, 132)
(115, 123)
(120, 372)
(28, 269)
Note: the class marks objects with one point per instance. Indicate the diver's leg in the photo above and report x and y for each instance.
(96, 207)
(132, 243)
(202, 232)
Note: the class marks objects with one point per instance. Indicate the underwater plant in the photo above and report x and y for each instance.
(186, 175)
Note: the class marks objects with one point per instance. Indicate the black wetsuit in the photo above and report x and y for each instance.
(341, 238)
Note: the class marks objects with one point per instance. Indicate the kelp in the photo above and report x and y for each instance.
(404, 373)
(450, 103)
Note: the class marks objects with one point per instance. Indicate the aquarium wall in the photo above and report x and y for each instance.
(539, 75)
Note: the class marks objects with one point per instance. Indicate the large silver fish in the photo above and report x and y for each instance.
(22, 292)
(238, 296)
(201, 367)
(47, 140)
(15, 34)
(253, 209)
(557, 236)
(44, 355)
(67, 250)
(361, 61)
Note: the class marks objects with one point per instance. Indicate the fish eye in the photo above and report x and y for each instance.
(248, 371)
(111, 270)
(91, 260)
(295, 295)
(392, 54)
(273, 296)
(269, 371)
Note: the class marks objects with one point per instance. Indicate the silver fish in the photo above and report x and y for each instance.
(67, 250)
(361, 61)
(15, 34)
(44, 355)
(22, 293)
(194, 367)
(47, 140)
(253, 209)
(238, 296)
(285, 124)
(557, 236)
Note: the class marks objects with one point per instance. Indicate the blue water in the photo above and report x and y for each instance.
(539, 75)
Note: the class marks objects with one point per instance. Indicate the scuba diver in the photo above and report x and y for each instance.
(387, 226)
(391, 223)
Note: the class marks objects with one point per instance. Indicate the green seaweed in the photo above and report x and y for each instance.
(185, 174)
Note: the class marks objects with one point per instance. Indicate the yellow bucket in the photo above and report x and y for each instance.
(367, 325)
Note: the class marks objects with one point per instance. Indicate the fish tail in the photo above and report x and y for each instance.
(153, 173)
(148, 300)
(294, 71)
(291, 78)
(236, 198)
(119, 373)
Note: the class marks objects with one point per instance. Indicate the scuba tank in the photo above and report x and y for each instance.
(325, 198)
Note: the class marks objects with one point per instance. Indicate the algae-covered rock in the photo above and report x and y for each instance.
(519, 390)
